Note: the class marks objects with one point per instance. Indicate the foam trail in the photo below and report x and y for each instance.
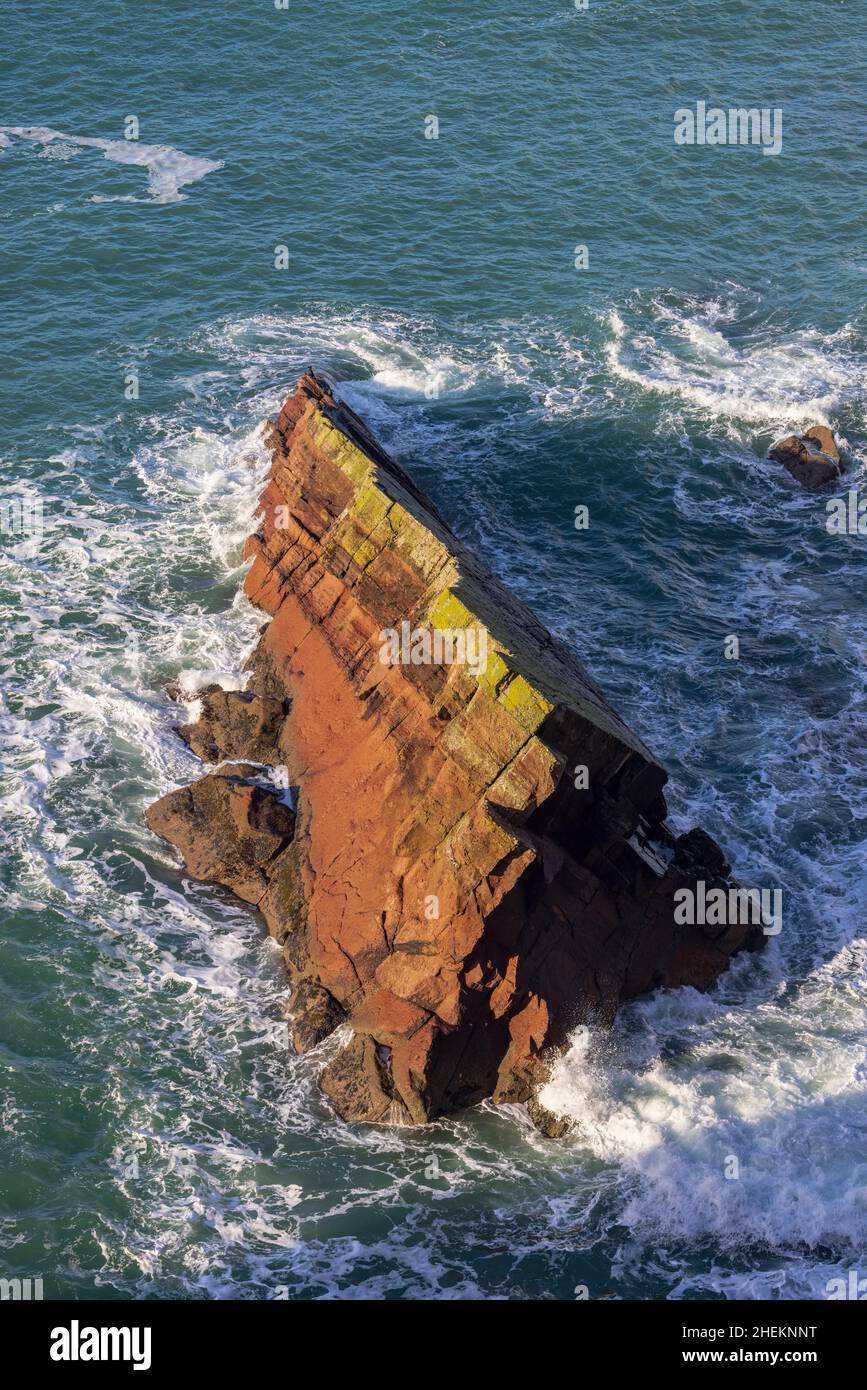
(169, 169)
(800, 380)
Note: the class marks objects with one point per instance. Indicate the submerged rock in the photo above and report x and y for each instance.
(812, 458)
(480, 859)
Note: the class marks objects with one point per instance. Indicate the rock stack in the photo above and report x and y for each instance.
(473, 856)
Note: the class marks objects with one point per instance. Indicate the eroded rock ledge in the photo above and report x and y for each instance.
(445, 882)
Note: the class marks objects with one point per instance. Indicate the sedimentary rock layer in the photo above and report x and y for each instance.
(479, 859)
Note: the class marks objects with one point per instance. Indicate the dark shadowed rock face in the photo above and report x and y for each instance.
(314, 1014)
(812, 458)
(359, 1084)
(479, 859)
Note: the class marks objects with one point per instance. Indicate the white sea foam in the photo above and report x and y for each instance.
(687, 355)
(778, 383)
(391, 355)
(168, 169)
(776, 1083)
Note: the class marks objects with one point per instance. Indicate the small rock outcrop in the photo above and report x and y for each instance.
(227, 828)
(478, 858)
(812, 458)
(235, 724)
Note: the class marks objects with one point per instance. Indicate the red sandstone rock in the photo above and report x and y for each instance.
(449, 888)
(812, 458)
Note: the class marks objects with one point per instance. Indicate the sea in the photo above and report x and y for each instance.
(476, 219)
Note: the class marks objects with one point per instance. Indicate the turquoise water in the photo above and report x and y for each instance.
(158, 1137)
